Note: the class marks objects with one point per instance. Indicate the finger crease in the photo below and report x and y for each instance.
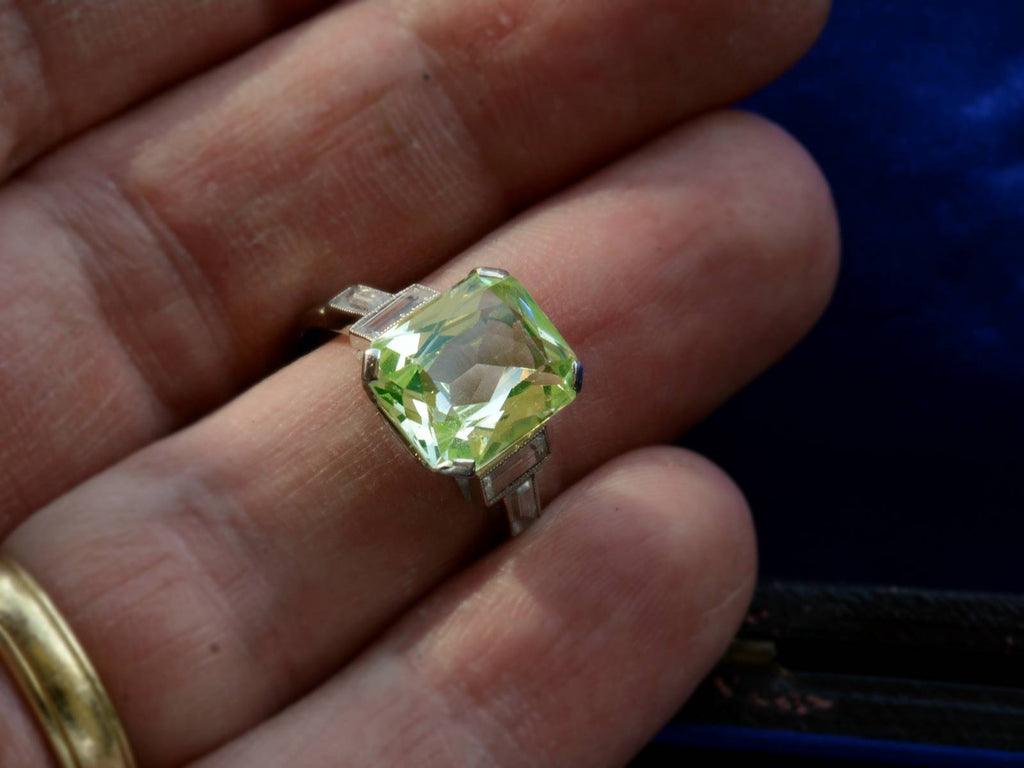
(153, 360)
(432, 58)
(196, 287)
(27, 126)
(202, 513)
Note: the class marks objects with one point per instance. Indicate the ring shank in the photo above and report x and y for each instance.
(56, 677)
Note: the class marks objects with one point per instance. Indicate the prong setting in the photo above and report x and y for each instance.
(498, 274)
(371, 364)
(459, 468)
(577, 375)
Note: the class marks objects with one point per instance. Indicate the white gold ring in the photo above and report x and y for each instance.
(466, 378)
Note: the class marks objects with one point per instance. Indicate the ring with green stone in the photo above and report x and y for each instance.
(467, 379)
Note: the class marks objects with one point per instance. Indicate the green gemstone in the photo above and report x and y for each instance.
(473, 373)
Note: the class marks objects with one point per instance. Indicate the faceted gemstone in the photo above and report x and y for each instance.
(473, 373)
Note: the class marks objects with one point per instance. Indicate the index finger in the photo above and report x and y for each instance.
(67, 65)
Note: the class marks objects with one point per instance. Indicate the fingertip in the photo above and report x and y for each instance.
(633, 584)
(668, 533)
(800, 209)
(768, 210)
(798, 22)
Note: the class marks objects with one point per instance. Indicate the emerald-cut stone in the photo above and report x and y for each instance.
(473, 373)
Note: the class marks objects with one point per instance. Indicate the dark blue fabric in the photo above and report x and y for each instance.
(890, 446)
(852, 751)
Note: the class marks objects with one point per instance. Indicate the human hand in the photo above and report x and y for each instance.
(262, 578)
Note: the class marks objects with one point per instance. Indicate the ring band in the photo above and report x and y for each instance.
(56, 677)
(467, 378)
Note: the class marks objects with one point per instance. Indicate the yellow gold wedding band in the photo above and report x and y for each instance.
(56, 677)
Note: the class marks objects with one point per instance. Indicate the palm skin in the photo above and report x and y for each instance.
(261, 577)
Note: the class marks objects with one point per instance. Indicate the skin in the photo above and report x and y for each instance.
(258, 571)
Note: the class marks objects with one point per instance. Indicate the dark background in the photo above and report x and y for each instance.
(889, 447)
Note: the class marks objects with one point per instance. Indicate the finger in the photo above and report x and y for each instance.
(67, 65)
(569, 646)
(17, 751)
(293, 498)
(178, 246)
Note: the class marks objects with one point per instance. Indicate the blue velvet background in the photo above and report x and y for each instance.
(890, 446)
